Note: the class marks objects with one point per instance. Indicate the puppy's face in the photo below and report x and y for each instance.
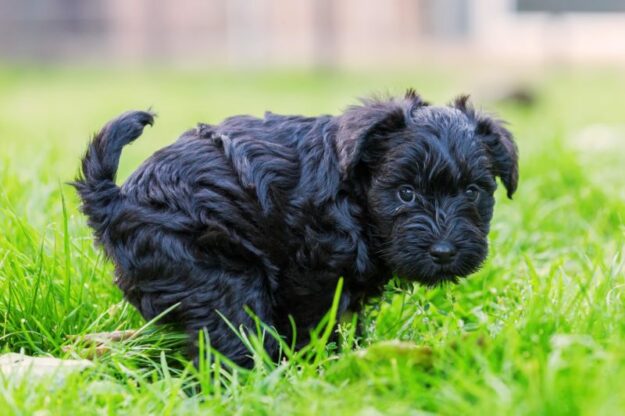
(428, 176)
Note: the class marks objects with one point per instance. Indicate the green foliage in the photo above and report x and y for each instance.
(539, 330)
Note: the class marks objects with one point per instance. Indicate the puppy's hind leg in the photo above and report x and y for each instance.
(159, 270)
(161, 263)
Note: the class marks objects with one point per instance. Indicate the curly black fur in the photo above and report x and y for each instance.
(269, 213)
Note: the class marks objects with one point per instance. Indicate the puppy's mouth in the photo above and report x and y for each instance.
(439, 277)
(433, 274)
(449, 274)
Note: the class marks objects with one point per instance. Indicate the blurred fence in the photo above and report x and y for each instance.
(320, 33)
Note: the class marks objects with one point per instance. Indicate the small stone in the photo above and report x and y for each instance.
(13, 365)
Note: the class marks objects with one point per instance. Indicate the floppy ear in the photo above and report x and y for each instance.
(503, 151)
(499, 143)
(360, 136)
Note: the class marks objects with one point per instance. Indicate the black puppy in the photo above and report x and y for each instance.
(268, 214)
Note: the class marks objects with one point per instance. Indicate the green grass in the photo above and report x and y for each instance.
(539, 330)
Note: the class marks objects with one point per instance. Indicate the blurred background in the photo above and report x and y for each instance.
(311, 33)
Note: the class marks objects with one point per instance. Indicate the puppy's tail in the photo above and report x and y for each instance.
(96, 181)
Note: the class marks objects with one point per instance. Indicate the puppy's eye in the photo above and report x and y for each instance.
(472, 193)
(406, 193)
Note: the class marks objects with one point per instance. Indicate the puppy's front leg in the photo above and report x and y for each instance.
(229, 300)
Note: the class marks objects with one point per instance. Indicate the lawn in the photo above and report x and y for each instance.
(539, 330)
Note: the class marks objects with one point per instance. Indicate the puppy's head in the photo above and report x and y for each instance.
(427, 175)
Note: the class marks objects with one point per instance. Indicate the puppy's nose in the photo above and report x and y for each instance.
(442, 252)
